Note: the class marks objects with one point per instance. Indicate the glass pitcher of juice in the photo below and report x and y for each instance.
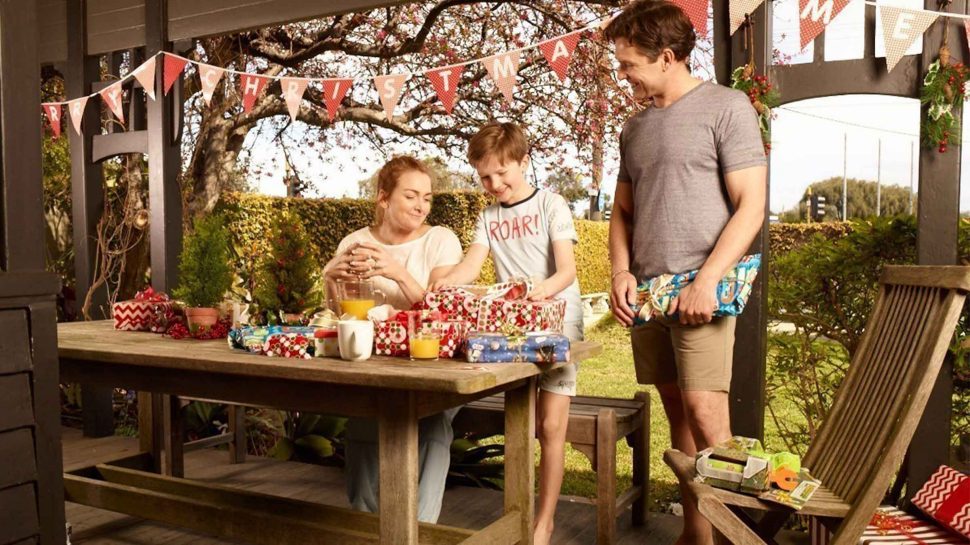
(357, 296)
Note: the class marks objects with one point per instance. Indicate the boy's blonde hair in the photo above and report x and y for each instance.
(504, 141)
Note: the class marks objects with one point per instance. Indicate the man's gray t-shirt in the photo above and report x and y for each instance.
(676, 158)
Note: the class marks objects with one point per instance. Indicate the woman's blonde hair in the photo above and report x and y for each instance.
(388, 177)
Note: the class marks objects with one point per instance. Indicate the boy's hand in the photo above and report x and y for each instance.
(440, 283)
(696, 302)
(540, 292)
(622, 295)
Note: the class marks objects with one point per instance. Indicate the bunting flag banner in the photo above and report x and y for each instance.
(293, 89)
(251, 86)
(815, 15)
(53, 111)
(900, 28)
(172, 67)
(334, 91)
(503, 68)
(740, 8)
(389, 89)
(145, 74)
(559, 51)
(445, 83)
(76, 107)
(113, 95)
(696, 11)
(209, 76)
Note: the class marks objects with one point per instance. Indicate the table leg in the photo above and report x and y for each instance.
(151, 432)
(174, 446)
(520, 426)
(398, 423)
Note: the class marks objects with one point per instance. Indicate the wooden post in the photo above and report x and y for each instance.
(936, 244)
(398, 425)
(520, 473)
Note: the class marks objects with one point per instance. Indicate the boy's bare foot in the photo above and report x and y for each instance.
(542, 535)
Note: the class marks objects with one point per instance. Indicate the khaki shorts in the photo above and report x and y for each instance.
(562, 380)
(695, 357)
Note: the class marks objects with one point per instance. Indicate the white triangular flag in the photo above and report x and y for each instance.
(738, 9)
(76, 107)
(145, 74)
(293, 89)
(209, 76)
(502, 68)
(900, 28)
(389, 89)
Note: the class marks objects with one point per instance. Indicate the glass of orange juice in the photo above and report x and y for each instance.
(357, 296)
(424, 338)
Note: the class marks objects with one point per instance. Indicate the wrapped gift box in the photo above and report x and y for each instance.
(136, 314)
(498, 308)
(257, 340)
(531, 347)
(391, 336)
(946, 498)
(288, 345)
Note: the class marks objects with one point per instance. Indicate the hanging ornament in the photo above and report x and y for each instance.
(942, 95)
(759, 89)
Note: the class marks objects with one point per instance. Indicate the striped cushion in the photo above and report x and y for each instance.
(946, 498)
(890, 525)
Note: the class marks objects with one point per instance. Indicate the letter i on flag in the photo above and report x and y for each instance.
(502, 68)
(251, 87)
(559, 51)
(334, 91)
(389, 89)
(53, 111)
(445, 83)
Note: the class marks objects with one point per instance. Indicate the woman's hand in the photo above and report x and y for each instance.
(373, 260)
(341, 266)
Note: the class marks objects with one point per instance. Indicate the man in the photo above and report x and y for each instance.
(690, 195)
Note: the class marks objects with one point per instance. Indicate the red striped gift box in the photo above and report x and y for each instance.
(892, 526)
(946, 498)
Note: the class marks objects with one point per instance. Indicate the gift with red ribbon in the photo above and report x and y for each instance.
(136, 314)
(391, 336)
(890, 525)
(288, 345)
(498, 307)
(946, 498)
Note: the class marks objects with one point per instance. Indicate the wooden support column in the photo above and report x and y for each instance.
(164, 133)
(938, 216)
(751, 344)
(31, 485)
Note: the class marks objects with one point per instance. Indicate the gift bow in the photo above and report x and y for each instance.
(888, 522)
(149, 295)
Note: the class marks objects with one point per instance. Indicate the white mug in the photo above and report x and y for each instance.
(355, 339)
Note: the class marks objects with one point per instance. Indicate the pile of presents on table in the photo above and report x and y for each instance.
(483, 324)
(740, 464)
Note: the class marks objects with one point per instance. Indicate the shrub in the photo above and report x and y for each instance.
(205, 274)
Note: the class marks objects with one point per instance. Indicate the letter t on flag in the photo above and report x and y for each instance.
(445, 83)
(815, 15)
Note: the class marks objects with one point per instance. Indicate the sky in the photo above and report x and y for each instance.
(811, 140)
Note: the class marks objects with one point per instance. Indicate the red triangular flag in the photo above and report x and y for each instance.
(445, 83)
(53, 111)
(172, 68)
(334, 91)
(559, 51)
(696, 11)
(815, 15)
(251, 87)
(113, 96)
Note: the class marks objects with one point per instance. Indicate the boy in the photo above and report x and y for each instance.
(530, 233)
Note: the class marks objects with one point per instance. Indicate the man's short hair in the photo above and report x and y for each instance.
(652, 26)
(504, 141)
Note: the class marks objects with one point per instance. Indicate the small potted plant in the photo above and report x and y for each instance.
(286, 282)
(204, 272)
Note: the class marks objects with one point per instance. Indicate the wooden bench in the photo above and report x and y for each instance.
(595, 425)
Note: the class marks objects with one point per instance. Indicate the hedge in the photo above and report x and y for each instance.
(328, 220)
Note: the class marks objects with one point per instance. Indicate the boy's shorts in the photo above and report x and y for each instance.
(562, 380)
(695, 357)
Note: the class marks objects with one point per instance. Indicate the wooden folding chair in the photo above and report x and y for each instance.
(861, 444)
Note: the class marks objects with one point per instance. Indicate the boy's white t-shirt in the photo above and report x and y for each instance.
(439, 247)
(520, 239)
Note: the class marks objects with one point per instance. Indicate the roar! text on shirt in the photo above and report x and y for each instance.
(517, 227)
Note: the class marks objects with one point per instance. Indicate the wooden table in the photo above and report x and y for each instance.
(395, 391)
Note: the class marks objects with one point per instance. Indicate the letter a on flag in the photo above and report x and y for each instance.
(559, 51)
(815, 15)
(445, 83)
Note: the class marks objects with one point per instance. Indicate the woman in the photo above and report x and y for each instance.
(402, 255)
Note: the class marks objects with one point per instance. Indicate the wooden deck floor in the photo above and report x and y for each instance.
(463, 506)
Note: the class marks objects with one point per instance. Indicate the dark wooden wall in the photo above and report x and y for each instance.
(31, 490)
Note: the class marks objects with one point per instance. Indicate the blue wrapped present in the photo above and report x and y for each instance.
(254, 338)
(532, 347)
(655, 294)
